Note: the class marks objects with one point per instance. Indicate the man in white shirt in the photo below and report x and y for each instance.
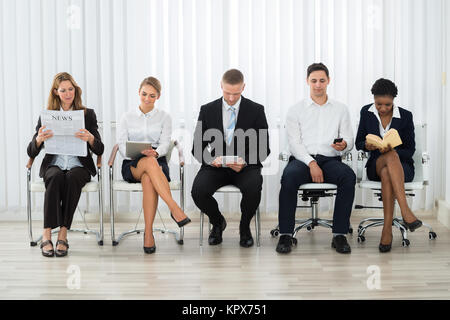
(312, 126)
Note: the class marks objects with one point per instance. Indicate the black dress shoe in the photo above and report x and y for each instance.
(215, 237)
(413, 225)
(47, 253)
(149, 250)
(246, 239)
(385, 247)
(284, 244)
(62, 253)
(340, 244)
(182, 223)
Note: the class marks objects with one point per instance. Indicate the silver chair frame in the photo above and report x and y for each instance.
(98, 233)
(179, 236)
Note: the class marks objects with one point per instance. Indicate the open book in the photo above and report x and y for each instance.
(390, 138)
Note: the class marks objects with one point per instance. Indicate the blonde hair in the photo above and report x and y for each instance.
(151, 81)
(54, 102)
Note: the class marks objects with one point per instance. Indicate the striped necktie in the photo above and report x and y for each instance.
(231, 125)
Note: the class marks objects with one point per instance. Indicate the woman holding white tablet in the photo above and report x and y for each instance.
(154, 126)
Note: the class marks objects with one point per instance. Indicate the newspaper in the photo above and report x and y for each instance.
(64, 125)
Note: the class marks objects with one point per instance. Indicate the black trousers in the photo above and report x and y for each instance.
(62, 192)
(249, 181)
(334, 171)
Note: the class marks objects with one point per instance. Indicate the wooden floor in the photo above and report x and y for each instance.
(312, 271)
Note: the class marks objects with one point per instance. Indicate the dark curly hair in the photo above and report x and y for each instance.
(384, 87)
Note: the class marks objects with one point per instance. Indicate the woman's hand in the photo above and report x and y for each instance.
(370, 147)
(386, 149)
(150, 153)
(85, 135)
(43, 135)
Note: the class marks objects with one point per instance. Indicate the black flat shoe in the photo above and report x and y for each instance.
(246, 239)
(215, 237)
(340, 244)
(385, 247)
(285, 244)
(47, 253)
(149, 250)
(62, 253)
(413, 225)
(182, 223)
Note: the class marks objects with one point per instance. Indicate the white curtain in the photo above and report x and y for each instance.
(109, 46)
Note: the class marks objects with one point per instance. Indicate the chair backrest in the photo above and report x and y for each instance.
(169, 152)
(420, 134)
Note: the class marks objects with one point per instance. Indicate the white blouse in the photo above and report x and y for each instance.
(154, 127)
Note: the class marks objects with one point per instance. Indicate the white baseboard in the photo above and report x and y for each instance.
(443, 212)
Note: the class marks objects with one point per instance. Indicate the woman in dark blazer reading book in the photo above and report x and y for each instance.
(64, 176)
(392, 166)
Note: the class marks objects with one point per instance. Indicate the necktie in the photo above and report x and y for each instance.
(231, 125)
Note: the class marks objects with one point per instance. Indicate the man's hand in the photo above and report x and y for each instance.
(339, 146)
(316, 172)
(237, 166)
(217, 163)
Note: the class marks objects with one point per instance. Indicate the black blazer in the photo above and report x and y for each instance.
(251, 116)
(368, 123)
(90, 122)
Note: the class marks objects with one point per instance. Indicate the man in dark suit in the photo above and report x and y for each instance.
(231, 140)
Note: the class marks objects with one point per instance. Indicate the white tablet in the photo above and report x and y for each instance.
(134, 148)
(230, 160)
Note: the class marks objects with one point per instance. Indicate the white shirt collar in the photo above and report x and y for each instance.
(311, 102)
(148, 114)
(235, 106)
(395, 111)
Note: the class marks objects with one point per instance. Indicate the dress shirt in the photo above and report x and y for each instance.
(154, 127)
(395, 114)
(65, 162)
(311, 129)
(226, 114)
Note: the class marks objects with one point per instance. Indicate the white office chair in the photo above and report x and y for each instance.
(312, 192)
(420, 180)
(233, 189)
(124, 186)
(92, 186)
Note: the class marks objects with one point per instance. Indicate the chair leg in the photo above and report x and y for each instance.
(258, 227)
(30, 229)
(111, 207)
(201, 228)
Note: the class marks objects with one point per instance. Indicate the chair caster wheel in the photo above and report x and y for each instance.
(162, 231)
(350, 231)
(294, 241)
(432, 235)
(405, 243)
(309, 228)
(33, 243)
(138, 232)
(115, 243)
(180, 242)
(85, 232)
(100, 243)
(361, 239)
(274, 233)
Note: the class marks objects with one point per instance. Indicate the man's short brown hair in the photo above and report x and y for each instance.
(233, 76)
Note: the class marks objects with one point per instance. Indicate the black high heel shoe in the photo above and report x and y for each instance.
(62, 253)
(413, 225)
(182, 223)
(149, 250)
(385, 247)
